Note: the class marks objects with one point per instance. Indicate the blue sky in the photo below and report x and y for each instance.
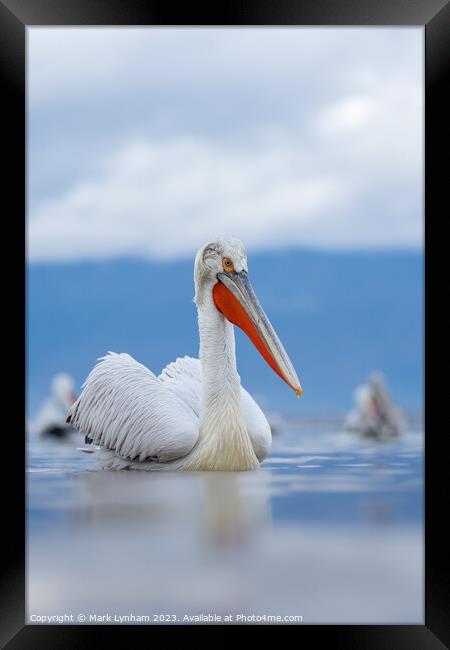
(148, 142)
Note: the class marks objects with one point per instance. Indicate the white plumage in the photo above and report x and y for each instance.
(195, 415)
(375, 415)
(51, 417)
(126, 409)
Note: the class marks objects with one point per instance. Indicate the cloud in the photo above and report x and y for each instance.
(351, 114)
(163, 200)
(150, 142)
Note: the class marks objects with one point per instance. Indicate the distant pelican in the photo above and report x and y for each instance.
(195, 415)
(51, 418)
(375, 415)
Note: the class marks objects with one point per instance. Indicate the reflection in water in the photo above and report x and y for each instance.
(229, 517)
(330, 529)
(223, 515)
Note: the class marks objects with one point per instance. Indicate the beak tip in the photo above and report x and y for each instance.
(299, 391)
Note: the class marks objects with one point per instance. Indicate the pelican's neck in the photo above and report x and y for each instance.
(220, 380)
(224, 442)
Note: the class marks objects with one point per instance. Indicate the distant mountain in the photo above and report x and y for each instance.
(339, 315)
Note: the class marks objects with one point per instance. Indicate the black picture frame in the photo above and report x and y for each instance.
(15, 16)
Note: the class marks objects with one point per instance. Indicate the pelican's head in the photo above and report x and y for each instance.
(362, 396)
(221, 271)
(63, 389)
(377, 381)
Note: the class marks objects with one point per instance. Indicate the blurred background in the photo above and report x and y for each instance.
(307, 144)
(304, 143)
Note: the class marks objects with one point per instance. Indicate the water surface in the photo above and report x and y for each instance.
(329, 530)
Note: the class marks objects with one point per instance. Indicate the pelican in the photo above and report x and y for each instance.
(51, 418)
(195, 415)
(375, 415)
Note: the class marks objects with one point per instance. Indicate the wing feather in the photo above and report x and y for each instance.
(184, 376)
(124, 407)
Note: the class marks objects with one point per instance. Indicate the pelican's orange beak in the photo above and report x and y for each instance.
(234, 297)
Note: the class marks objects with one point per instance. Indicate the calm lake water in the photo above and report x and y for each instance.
(330, 530)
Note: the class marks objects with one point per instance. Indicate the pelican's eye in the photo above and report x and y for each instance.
(227, 264)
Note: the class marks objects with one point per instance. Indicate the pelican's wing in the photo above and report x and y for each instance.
(124, 407)
(257, 425)
(185, 377)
